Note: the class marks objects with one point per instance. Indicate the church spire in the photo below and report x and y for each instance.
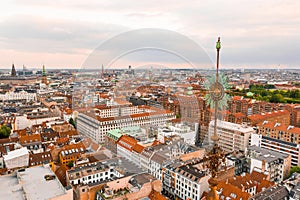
(13, 70)
(44, 79)
(44, 71)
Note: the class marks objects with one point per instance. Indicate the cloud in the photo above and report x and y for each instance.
(252, 33)
(27, 33)
(149, 45)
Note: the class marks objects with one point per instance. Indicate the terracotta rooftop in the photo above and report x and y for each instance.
(238, 115)
(68, 133)
(61, 173)
(264, 116)
(6, 141)
(154, 195)
(40, 158)
(138, 148)
(279, 127)
(27, 139)
(241, 182)
(236, 98)
(231, 191)
(127, 142)
(62, 140)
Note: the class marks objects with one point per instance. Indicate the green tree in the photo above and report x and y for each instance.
(71, 121)
(4, 132)
(70, 164)
(277, 98)
(295, 169)
(264, 93)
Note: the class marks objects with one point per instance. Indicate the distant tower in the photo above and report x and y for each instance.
(24, 70)
(44, 80)
(102, 75)
(13, 70)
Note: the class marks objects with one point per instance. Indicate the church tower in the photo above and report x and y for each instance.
(44, 80)
(13, 71)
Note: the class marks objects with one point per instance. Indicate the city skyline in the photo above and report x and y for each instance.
(59, 34)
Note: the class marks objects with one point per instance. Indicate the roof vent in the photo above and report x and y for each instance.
(277, 124)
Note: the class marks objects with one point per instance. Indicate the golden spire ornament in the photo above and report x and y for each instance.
(216, 156)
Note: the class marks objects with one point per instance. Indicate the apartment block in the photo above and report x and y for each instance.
(276, 165)
(184, 181)
(232, 137)
(95, 124)
(279, 137)
(281, 116)
(96, 172)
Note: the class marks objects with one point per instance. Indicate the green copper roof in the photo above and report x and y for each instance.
(250, 94)
(218, 45)
(189, 92)
(115, 132)
(44, 71)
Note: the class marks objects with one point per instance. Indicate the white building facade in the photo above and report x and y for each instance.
(91, 173)
(183, 131)
(17, 159)
(96, 126)
(277, 145)
(232, 137)
(18, 96)
(275, 165)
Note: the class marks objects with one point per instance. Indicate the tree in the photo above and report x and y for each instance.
(71, 121)
(295, 169)
(264, 93)
(70, 164)
(277, 98)
(4, 132)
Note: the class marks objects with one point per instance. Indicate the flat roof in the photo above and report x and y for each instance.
(115, 132)
(266, 154)
(36, 187)
(16, 153)
(131, 129)
(232, 126)
(30, 184)
(12, 189)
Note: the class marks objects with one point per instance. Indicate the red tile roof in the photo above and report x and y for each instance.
(280, 127)
(61, 174)
(229, 190)
(27, 139)
(264, 116)
(127, 142)
(138, 148)
(40, 158)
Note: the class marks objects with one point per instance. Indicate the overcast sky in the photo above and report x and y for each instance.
(64, 33)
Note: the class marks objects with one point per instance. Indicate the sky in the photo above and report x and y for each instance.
(64, 34)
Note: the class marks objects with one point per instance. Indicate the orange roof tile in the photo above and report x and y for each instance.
(138, 148)
(127, 142)
(229, 190)
(154, 195)
(280, 127)
(27, 139)
(239, 115)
